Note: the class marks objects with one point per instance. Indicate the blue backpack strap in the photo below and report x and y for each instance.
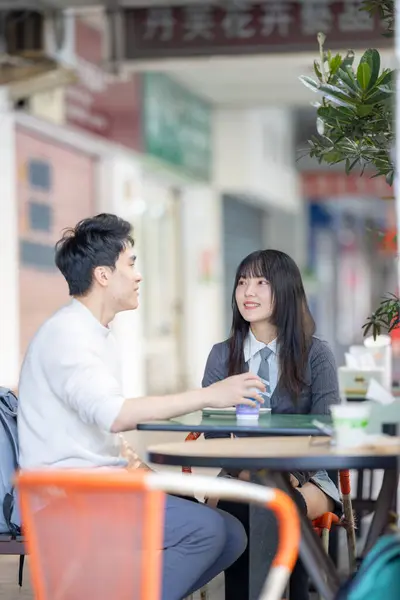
(8, 408)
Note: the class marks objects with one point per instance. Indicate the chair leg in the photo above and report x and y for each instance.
(325, 531)
(204, 593)
(325, 539)
(350, 531)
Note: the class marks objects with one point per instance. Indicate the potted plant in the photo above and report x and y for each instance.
(355, 125)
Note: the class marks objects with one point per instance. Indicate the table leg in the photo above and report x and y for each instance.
(384, 506)
(318, 564)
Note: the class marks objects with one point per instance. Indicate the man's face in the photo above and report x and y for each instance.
(124, 281)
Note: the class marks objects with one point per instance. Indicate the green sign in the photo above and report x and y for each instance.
(177, 125)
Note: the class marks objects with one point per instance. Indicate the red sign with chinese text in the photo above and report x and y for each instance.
(248, 27)
(320, 184)
(99, 103)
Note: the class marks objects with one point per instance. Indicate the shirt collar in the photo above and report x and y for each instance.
(79, 307)
(252, 346)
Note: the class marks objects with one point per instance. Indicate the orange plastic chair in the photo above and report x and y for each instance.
(99, 533)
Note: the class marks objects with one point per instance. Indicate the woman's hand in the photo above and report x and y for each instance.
(294, 481)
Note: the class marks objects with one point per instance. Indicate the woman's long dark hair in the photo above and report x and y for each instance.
(290, 315)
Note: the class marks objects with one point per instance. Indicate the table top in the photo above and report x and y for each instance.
(268, 424)
(275, 453)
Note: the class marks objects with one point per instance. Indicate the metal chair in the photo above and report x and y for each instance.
(98, 533)
(322, 526)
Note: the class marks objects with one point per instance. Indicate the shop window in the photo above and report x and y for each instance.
(40, 216)
(39, 174)
(39, 256)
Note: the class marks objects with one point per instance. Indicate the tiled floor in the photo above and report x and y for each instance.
(9, 589)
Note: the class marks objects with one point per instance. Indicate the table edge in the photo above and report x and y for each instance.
(308, 463)
(270, 432)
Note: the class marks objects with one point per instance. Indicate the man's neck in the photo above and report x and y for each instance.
(98, 307)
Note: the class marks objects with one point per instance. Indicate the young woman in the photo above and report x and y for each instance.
(270, 311)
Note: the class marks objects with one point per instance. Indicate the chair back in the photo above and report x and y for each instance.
(92, 534)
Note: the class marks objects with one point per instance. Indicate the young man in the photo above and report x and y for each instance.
(71, 407)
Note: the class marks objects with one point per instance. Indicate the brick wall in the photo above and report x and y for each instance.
(55, 189)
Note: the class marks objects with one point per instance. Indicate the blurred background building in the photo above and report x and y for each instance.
(189, 121)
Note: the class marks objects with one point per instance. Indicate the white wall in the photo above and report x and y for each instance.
(253, 151)
(9, 280)
(254, 160)
(203, 286)
(119, 190)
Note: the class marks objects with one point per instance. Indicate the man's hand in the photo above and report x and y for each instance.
(133, 459)
(294, 481)
(238, 389)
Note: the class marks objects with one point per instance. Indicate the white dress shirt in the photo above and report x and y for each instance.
(252, 357)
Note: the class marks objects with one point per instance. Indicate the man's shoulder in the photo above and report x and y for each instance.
(61, 326)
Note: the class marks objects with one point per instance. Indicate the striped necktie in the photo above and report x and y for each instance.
(263, 372)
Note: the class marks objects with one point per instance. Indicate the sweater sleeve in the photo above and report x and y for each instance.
(324, 380)
(78, 377)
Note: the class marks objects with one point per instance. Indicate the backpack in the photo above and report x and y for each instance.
(379, 574)
(10, 521)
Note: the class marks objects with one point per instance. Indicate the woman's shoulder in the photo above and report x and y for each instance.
(320, 348)
(220, 350)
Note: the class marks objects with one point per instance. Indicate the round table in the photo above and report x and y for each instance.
(274, 458)
(275, 453)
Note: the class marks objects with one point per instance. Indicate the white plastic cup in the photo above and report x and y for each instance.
(248, 413)
(245, 412)
(350, 422)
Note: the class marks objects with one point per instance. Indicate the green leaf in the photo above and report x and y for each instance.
(387, 89)
(390, 178)
(364, 110)
(333, 157)
(348, 60)
(346, 77)
(317, 70)
(378, 96)
(334, 64)
(309, 82)
(335, 117)
(386, 77)
(335, 92)
(372, 58)
(364, 75)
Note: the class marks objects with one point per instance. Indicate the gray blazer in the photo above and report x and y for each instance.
(321, 389)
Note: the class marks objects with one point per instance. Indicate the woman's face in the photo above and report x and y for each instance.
(254, 299)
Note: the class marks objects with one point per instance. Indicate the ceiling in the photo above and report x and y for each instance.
(243, 81)
(234, 81)
(83, 4)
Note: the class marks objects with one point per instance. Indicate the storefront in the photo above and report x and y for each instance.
(47, 204)
(347, 219)
(176, 162)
